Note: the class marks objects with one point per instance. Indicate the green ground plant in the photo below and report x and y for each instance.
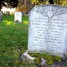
(49, 58)
(13, 40)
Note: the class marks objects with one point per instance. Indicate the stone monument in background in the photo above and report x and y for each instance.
(18, 17)
(1, 14)
(48, 30)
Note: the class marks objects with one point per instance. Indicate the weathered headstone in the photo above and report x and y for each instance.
(48, 30)
(18, 17)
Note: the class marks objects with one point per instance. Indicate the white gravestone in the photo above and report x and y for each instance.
(18, 17)
(48, 29)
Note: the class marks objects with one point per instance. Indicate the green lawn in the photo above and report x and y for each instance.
(13, 41)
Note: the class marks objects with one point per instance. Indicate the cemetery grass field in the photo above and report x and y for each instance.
(13, 41)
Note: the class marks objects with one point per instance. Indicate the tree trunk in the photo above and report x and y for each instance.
(25, 6)
(22, 6)
(51, 1)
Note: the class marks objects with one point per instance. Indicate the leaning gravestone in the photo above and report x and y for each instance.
(18, 17)
(48, 30)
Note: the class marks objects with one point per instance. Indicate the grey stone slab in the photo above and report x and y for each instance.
(48, 29)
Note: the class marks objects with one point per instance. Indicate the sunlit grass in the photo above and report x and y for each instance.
(13, 40)
(25, 22)
(8, 22)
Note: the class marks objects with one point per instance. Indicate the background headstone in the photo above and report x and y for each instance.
(18, 17)
(48, 30)
(1, 14)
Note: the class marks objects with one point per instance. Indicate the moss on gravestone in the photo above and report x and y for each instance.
(37, 61)
(49, 58)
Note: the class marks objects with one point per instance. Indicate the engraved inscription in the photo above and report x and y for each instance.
(47, 32)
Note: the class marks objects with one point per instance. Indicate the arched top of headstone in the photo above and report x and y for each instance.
(47, 9)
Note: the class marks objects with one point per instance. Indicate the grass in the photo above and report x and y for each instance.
(13, 41)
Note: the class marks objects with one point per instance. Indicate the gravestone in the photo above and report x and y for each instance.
(1, 14)
(48, 30)
(18, 17)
